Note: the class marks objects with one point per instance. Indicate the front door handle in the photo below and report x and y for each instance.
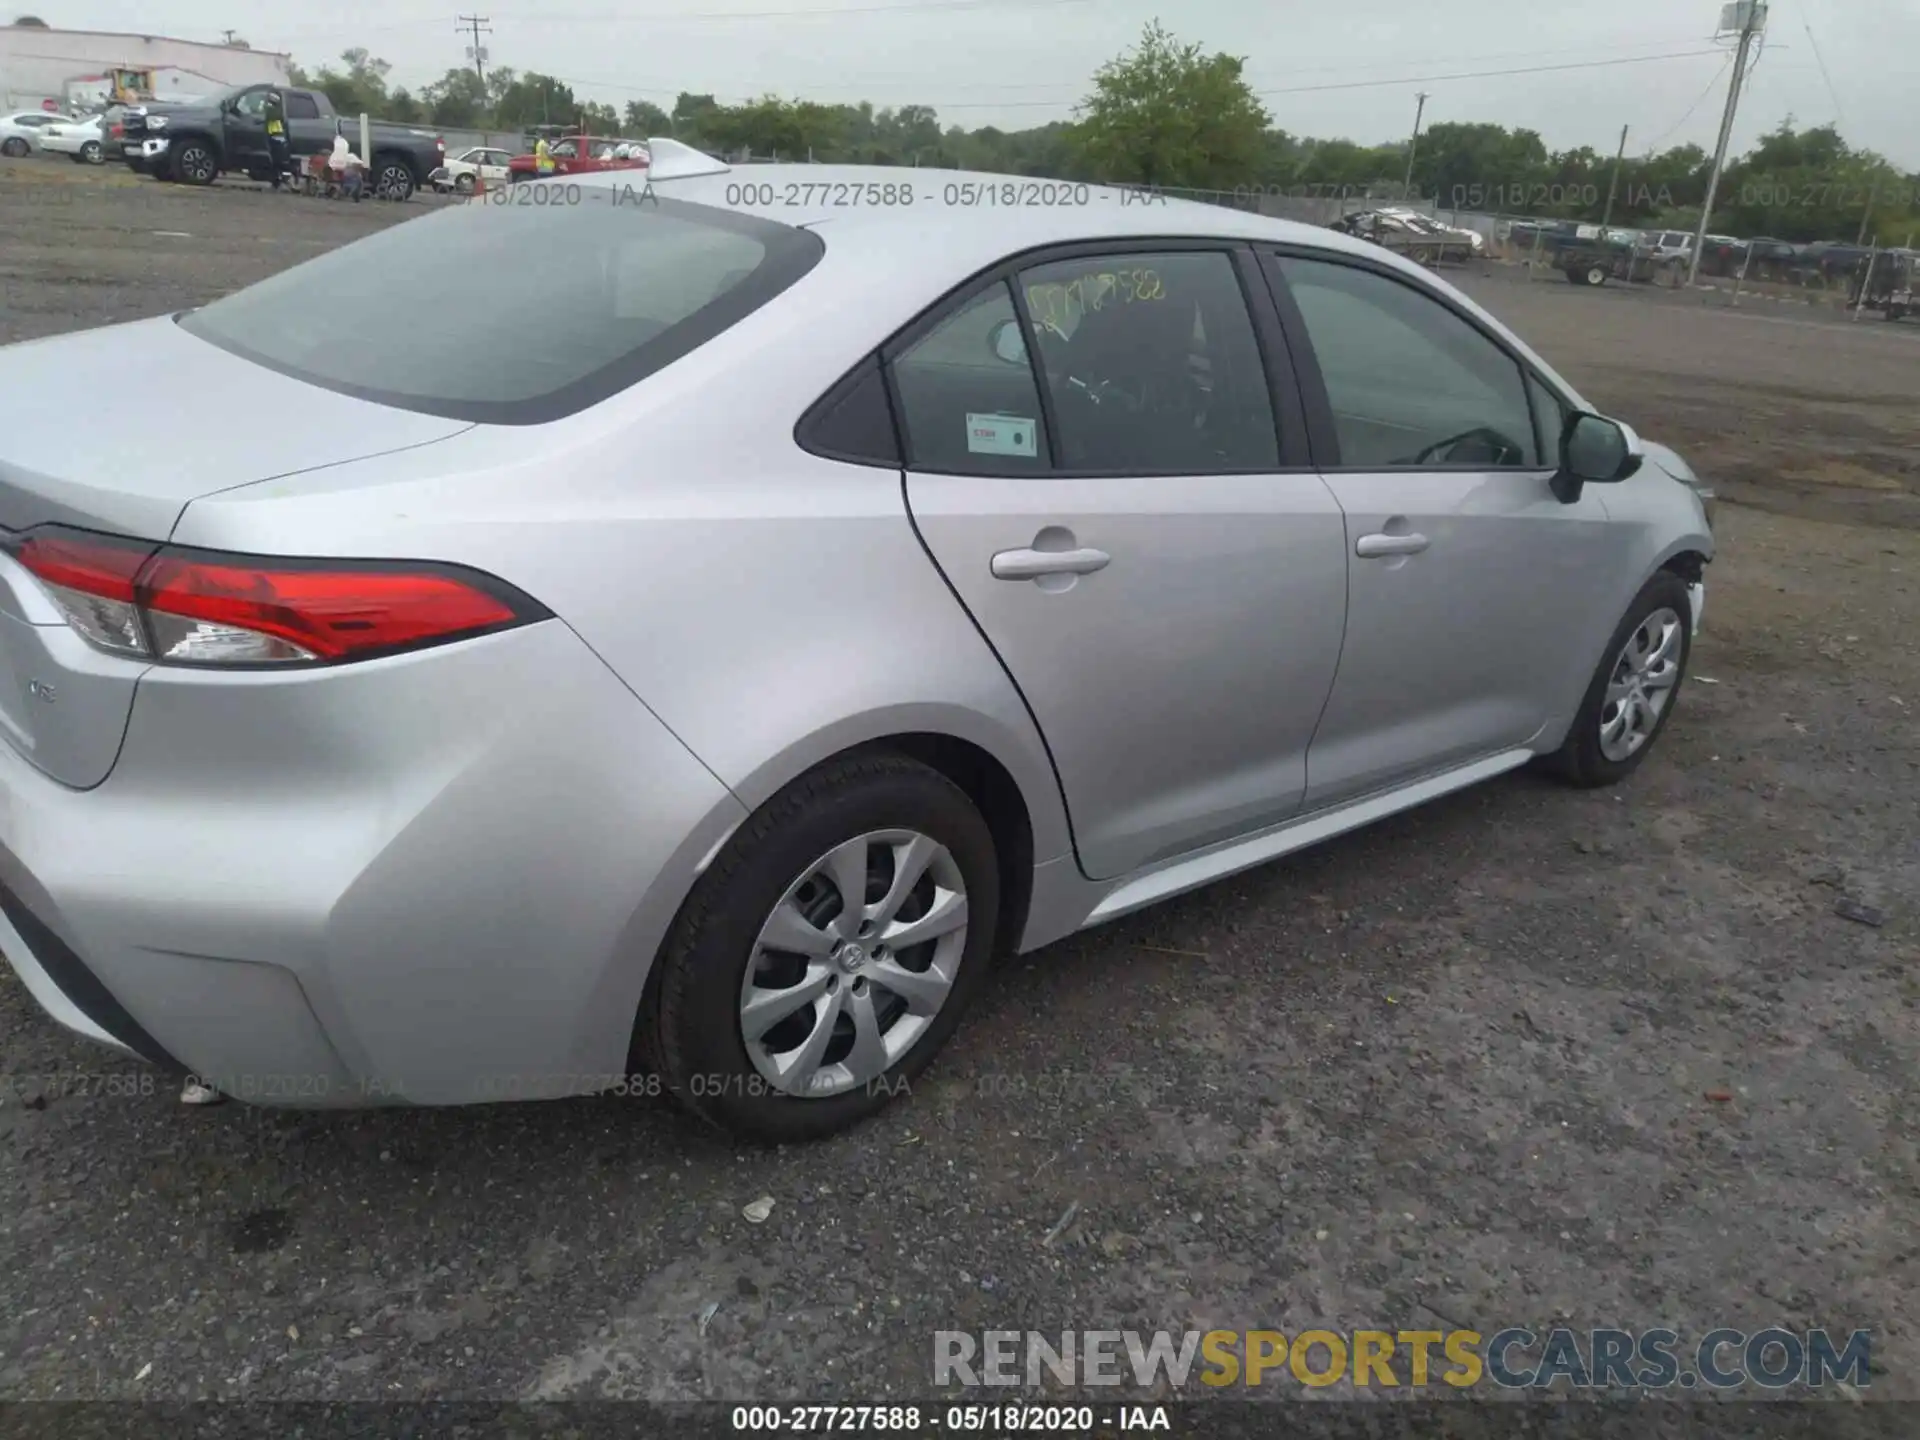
(1038, 564)
(1374, 547)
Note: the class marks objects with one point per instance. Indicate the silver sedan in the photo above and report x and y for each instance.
(686, 670)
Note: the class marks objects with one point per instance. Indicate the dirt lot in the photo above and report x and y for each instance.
(1523, 1057)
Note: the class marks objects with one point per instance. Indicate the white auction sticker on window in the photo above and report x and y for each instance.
(1001, 435)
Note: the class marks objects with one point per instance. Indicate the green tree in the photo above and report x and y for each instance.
(458, 100)
(644, 118)
(1479, 166)
(359, 89)
(1164, 114)
(403, 108)
(597, 118)
(535, 99)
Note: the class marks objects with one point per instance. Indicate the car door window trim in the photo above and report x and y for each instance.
(1321, 431)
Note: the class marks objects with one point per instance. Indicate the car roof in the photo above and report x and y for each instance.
(941, 229)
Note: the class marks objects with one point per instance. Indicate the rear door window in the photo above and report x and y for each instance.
(302, 107)
(1151, 365)
(581, 301)
(968, 402)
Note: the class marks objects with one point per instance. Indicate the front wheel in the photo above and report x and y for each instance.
(1633, 693)
(194, 163)
(827, 954)
(463, 183)
(14, 147)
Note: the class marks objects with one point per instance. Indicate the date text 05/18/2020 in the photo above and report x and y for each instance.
(953, 1419)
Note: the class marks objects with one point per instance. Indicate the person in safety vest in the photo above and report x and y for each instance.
(542, 157)
(279, 153)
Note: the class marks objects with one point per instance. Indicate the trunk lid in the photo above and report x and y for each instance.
(187, 420)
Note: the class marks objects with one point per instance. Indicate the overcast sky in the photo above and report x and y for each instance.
(1348, 68)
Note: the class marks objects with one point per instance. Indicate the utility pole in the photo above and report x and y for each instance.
(1613, 186)
(1413, 145)
(477, 25)
(1753, 15)
(227, 36)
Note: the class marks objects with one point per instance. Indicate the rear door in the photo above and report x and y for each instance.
(1468, 575)
(307, 132)
(1107, 461)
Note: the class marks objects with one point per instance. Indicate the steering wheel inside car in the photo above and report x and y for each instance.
(1482, 445)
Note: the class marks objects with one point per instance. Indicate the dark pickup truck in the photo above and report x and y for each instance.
(226, 132)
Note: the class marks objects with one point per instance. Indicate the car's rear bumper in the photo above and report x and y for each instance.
(435, 879)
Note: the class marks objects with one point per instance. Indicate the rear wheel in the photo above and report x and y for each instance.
(393, 179)
(827, 954)
(1633, 693)
(93, 153)
(1422, 256)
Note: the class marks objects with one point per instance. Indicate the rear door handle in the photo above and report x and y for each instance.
(1374, 547)
(1037, 564)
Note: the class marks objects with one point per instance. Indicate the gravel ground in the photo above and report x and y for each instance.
(1523, 1057)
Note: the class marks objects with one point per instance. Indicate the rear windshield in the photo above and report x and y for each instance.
(514, 313)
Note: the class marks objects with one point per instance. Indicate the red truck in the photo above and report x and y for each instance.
(581, 155)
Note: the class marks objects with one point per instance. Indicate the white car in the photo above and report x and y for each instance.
(1419, 220)
(21, 132)
(483, 163)
(84, 140)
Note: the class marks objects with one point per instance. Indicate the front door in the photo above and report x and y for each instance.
(1167, 594)
(246, 132)
(1467, 576)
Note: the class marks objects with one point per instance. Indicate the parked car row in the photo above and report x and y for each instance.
(1760, 256)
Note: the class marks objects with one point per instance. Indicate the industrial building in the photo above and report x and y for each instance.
(71, 67)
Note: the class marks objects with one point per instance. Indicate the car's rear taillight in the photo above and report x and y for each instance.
(194, 607)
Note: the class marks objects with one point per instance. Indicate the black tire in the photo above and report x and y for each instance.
(1423, 256)
(14, 147)
(194, 163)
(688, 1032)
(393, 178)
(1579, 760)
(93, 153)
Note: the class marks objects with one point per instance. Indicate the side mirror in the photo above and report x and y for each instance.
(1594, 451)
(1009, 346)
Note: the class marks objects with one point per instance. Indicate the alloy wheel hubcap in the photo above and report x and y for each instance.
(1641, 684)
(854, 963)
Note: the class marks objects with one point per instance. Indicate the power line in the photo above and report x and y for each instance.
(1839, 112)
(1700, 100)
(1484, 74)
(614, 17)
(1290, 90)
